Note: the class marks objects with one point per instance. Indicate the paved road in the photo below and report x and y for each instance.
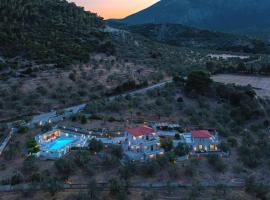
(142, 90)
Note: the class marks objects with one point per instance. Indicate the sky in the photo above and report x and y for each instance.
(114, 8)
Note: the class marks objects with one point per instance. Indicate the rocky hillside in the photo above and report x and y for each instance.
(184, 36)
(48, 31)
(240, 16)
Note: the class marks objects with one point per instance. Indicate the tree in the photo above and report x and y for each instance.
(16, 178)
(32, 146)
(258, 189)
(29, 165)
(51, 184)
(217, 162)
(23, 129)
(117, 188)
(198, 81)
(130, 110)
(127, 170)
(182, 149)
(83, 119)
(93, 190)
(166, 144)
(177, 136)
(95, 145)
(64, 168)
(117, 151)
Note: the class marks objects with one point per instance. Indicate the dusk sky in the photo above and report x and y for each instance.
(114, 8)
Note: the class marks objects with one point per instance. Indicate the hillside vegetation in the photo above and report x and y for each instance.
(184, 36)
(48, 31)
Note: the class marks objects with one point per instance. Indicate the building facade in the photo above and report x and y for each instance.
(202, 141)
(141, 144)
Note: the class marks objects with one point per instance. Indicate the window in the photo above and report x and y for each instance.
(212, 147)
(200, 147)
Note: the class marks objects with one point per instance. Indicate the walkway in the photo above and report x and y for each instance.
(5, 142)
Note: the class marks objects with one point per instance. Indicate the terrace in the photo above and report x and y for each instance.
(56, 143)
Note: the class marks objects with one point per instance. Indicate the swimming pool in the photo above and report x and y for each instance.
(59, 143)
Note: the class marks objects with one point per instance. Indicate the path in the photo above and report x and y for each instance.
(5, 142)
(142, 90)
(106, 186)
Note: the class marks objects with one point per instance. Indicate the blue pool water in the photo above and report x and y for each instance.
(59, 143)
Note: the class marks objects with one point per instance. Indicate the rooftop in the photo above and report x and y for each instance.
(201, 134)
(139, 131)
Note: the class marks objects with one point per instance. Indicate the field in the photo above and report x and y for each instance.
(261, 84)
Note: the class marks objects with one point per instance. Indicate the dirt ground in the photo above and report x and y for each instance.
(261, 84)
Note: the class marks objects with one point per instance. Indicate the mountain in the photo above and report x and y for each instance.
(48, 31)
(237, 16)
(184, 36)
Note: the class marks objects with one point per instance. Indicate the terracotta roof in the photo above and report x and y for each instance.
(141, 130)
(201, 134)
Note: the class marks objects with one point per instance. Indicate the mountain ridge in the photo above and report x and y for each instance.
(235, 16)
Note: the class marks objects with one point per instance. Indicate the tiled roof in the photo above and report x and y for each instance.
(141, 130)
(201, 134)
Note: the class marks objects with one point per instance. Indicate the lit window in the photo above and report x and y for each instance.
(212, 146)
(200, 147)
(195, 148)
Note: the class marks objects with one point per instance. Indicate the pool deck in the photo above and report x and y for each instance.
(59, 146)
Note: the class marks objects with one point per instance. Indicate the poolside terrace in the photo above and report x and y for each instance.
(57, 143)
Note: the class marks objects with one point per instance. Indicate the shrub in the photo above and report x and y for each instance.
(117, 151)
(16, 178)
(258, 189)
(167, 144)
(217, 162)
(117, 187)
(149, 168)
(95, 145)
(64, 168)
(182, 149)
(224, 147)
(127, 170)
(83, 119)
(23, 129)
(232, 142)
(32, 146)
(198, 81)
(29, 165)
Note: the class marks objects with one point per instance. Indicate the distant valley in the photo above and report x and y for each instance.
(184, 36)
